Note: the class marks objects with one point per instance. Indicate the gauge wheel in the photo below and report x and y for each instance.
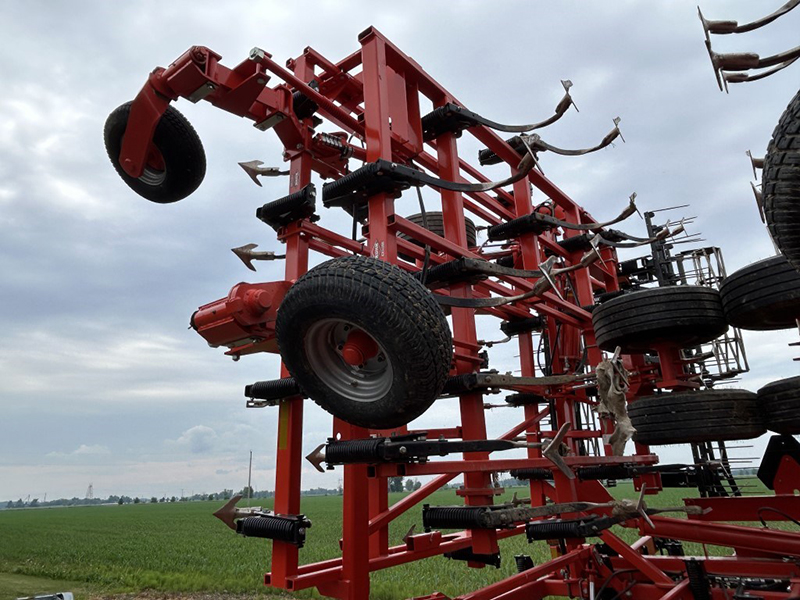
(176, 161)
(684, 315)
(781, 183)
(762, 296)
(780, 405)
(366, 341)
(695, 417)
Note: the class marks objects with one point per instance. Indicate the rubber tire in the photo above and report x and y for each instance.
(435, 221)
(180, 146)
(781, 183)
(682, 315)
(780, 405)
(762, 296)
(697, 416)
(391, 306)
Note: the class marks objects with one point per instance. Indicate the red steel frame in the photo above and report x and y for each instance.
(374, 95)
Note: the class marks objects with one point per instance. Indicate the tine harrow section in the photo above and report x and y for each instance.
(387, 327)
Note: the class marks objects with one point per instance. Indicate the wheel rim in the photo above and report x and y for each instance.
(155, 170)
(367, 382)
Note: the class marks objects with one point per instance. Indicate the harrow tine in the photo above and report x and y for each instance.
(756, 163)
(247, 255)
(317, 457)
(551, 452)
(757, 194)
(253, 169)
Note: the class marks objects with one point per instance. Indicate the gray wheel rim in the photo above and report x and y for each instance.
(364, 383)
(153, 176)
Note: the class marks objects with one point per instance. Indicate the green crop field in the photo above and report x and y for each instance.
(181, 547)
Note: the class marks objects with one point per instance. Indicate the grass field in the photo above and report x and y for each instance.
(180, 547)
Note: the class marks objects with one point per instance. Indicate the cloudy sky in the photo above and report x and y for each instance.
(100, 380)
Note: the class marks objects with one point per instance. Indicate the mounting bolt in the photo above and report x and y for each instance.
(198, 55)
(257, 55)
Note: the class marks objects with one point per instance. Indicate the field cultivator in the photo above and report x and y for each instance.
(608, 349)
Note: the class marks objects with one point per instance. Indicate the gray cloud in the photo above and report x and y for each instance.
(98, 285)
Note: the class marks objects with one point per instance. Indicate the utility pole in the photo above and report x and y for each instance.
(249, 479)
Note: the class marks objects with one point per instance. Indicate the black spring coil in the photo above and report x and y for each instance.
(488, 157)
(524, 562)
(302, 105)
(350, 183)
(531, 223)
(506, 261)
(274, 528)
(532, 474)
(458, 384)
(698, 581)
(452, 517)
(552, 530)
(523, 399)
(604, 472)
(353, 451)
(283, 211)
(274, 389)
(518, 326)
(444, 272)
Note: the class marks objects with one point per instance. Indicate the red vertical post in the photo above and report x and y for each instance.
(289, 456)
(473, 418)
(355, 523)
(530, 251)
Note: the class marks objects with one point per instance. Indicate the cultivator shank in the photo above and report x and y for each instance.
(365, 335)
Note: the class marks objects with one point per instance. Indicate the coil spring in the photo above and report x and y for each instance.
(516, 327)
(452, 517)
(524, 562)
(604, 472)
(273, 389)
(506, 261)
(532, 474)
(353, 451)
(443, 272)
(458, 384)
(283, 211)
(698, 582)
(533, 223)
(335, 142)
(284, 529)
(302, 105)
(551, 530)
(523, 399)
(341, 189)
(488, 157)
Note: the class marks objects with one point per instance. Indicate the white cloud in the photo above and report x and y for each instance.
(82, 450)
(199, 439)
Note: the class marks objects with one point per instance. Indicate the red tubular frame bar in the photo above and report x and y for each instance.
(380, 105)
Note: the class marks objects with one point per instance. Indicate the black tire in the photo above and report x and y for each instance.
(181, 151)
(762, 296)
(780, 405)
(681, 315)
(396, 312)
(435, 220)
(781, 183)
(698, 416)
